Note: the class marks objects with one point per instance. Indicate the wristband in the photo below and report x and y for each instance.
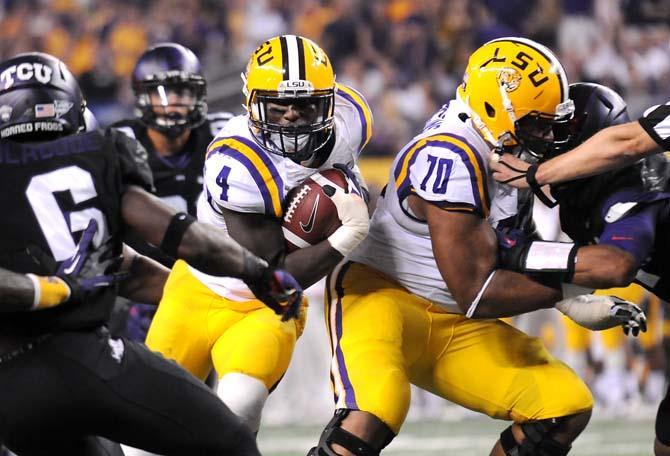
(175, 232)
(50, 291)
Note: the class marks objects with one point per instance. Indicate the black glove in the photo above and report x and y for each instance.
(89, 271)
(276, 288)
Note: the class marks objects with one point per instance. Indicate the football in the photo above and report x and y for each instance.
(309, 214)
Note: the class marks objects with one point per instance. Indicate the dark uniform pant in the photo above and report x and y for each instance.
(57, 396)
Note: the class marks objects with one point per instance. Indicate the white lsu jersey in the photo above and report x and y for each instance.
(242, 176)
(446, 164)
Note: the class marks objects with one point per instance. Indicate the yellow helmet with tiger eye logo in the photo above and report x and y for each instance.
(517, 91)
(290, 70)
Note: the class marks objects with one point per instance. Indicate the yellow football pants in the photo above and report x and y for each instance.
(383, 338)
(200, 329)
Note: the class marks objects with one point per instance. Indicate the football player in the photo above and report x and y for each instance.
(298, 121)
(418, 302)
(175, 129)
(60, 372)
(620, 228)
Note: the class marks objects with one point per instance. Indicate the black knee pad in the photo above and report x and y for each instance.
(663, 421)
(538, 441)
(333, 433)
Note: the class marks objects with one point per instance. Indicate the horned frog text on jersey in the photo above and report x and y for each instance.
(656, 122)
(446, 164)
(178, 179)
(241, 176)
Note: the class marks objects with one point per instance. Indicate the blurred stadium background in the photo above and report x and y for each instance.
(406, 57)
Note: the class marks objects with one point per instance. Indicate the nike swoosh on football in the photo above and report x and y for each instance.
(307, 227)
(72, 267)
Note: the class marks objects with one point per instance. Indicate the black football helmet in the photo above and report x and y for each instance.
(596, 107)
(170, 70)
(39, 98)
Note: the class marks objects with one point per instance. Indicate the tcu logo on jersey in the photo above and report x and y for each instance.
(25, 72)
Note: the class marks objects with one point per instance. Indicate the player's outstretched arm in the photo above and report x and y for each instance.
(203, 246)
(145, 277)
(613, 147)
(207, 248)
(17, 291)
(465, 249)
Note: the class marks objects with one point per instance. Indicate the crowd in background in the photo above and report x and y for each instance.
(406, 56)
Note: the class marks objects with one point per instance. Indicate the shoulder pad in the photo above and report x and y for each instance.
(218, 120)
(133, 159)
(240, 176)
(363, 117)
(445, 170)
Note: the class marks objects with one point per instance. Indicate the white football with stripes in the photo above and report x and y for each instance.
(309, 214)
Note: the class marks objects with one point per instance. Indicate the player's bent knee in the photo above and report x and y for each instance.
(538, 440)
(333, 434)
(245, 396)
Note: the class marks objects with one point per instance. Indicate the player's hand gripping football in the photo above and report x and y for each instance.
(352, 211)
(85, 273)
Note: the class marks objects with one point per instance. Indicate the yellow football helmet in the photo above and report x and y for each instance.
(293, 71)
(517, 91)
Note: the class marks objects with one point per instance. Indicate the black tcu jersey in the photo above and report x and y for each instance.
(50, 191)
(656, 122)
(178, 180)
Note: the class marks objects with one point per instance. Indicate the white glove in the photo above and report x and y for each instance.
(353, 213)
(602, 312)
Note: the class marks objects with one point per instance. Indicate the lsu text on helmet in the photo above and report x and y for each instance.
(170, 89)
(285, 73)
(517, 92)
(39, 98)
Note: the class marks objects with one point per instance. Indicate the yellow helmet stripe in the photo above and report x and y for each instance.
(468, 156)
